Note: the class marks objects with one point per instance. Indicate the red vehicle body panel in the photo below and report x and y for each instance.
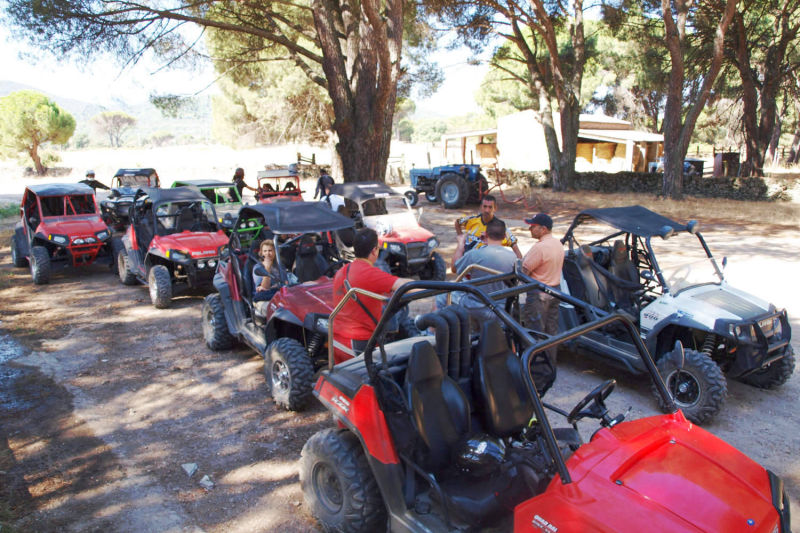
(406, 235)
(76, 227)
(196, 244)
(362, 412)
(654, 474)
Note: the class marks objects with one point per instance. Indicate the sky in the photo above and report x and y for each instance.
(103, 81)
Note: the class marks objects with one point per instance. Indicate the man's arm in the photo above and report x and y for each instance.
(399, 282)
(458, 227)
(459, 253)
(516, 250)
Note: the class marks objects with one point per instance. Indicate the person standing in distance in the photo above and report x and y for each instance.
(475, 227)
(238, 182)
(543, 262)
(354, 324)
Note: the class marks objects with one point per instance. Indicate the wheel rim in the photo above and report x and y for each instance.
(208, 323)
(450, 192)
(280, 376)
(327, 488)
(684, 388)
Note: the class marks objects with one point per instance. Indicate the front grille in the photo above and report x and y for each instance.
(417, 250)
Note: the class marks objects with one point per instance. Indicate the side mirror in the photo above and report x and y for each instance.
(647, 274)
(666, 232)
(692, 226)
(260, 270)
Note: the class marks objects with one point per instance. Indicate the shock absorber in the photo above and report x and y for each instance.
(316, 341)
(710, 344)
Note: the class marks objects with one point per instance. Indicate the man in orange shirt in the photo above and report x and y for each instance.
(356, 321)
(543, 262)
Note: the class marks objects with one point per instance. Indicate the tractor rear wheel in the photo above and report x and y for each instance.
(160, 284)
(289, 372)
(338, 485)
(40, 265)
(451, 190)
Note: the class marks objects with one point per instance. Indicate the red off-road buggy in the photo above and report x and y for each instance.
(276, 185)
(451, 434)
(173, 238)
(60, 226)
(408, 248)
(293, 333)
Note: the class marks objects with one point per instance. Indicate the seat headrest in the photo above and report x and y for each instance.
(423, 363)
(493, 340)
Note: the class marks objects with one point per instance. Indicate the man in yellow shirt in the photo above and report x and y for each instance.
(475, 227)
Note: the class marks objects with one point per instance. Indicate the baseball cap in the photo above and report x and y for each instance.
(90, 172)
(540, 219)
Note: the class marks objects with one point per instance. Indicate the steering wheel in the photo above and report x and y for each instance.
(598, 409)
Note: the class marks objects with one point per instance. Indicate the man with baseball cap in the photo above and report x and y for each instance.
(543, 262)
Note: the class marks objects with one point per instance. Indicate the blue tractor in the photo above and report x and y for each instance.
(452, 185)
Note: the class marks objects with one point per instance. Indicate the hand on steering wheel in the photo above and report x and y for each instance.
(598, 409)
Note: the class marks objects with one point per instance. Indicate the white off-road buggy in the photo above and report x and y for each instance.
(698, 327)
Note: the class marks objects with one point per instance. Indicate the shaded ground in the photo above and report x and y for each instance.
(110, 396)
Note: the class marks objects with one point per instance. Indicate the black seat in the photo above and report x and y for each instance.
(185, 220)
(439, 407)
(622, 267)
(596, 291)
(503, 402)
(309, 265)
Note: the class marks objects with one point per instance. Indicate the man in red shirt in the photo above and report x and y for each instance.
(354, 324)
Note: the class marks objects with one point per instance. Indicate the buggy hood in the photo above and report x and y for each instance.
(656, 474)
(197, 244)
(361, 191)
(72, 226)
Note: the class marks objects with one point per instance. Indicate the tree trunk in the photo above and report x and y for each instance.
(33, 152)
(753, 162)
(361, 61)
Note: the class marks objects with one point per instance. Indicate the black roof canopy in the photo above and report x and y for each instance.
(202, 184)
(176, 194)
(297, 217)
(60, 189)
(633, 219)
(135, 172)
(360, 191)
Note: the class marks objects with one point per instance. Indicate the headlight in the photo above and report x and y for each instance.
(90, 240)
(59, 239)
(395, 248)
(102, 235)
(78, 241)
(242, 225)
(212, 263)
(201, 264)
(251, 224)
(322, 324)
(433, 242)
(178, 256)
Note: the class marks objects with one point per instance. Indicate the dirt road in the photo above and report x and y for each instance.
(103, 398)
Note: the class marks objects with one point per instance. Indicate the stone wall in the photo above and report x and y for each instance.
(762, 189)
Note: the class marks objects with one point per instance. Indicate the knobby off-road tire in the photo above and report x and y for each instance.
(123, 270)
(774, 375)
(439, 267)
(338, 485)
(699, 388)
(289, 372)
(159, 282)
(16, 257)
(215, 327)
(117, 246)
(451, 190)
(40, 265)
(412, 196)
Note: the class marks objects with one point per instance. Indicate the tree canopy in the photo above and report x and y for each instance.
(113, 124)
(28, 121)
